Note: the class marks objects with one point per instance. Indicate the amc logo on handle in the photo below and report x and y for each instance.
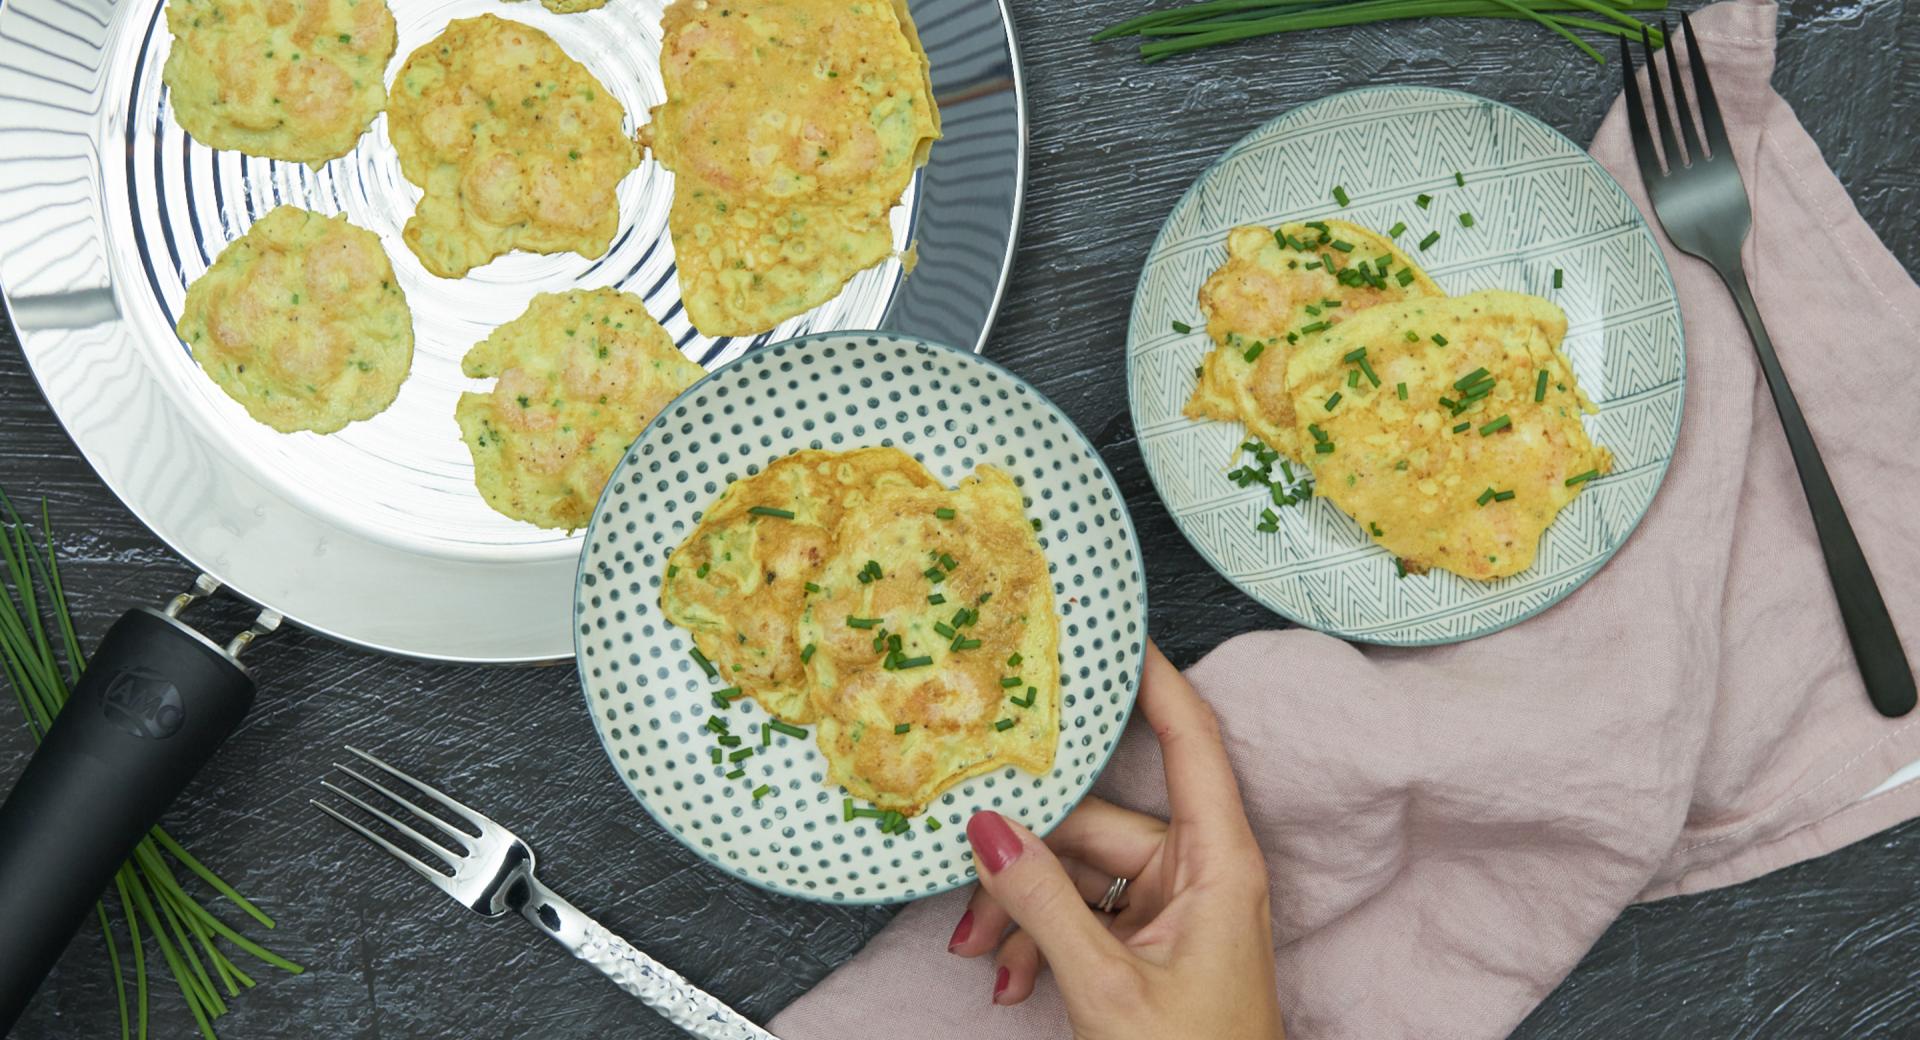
(145, 704)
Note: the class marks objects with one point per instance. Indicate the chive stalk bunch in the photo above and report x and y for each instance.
(42, 660)
(1191, 27)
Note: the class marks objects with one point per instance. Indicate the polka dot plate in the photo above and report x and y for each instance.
(651, 702)
(1546, 219)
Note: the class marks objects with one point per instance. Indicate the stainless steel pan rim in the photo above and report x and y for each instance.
(375, 536)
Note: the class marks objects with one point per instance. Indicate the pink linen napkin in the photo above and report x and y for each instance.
(1448, 830)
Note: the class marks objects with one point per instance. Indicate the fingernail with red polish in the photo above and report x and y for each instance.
(961, 931)
(994, 843)
(999, 984)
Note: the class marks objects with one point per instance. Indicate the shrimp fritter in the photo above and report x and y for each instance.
(297, 80)
(301, 321)
(792, 128)
(577, 377)
(515, 144)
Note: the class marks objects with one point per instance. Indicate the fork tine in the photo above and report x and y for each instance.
(465, 813)
(1681, 111)
(1637, 120)
(443, 881)
(464, 839)
(447, 857)
(1669, 147)
(1703, 90)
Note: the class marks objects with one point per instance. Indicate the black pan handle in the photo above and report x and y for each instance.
(155, 702)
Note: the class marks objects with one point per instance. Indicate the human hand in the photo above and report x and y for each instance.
(1190, 951)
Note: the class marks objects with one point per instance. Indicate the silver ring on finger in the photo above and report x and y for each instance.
(1115, 892)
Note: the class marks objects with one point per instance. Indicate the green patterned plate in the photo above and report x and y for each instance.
(950, 409)
(1540, 204)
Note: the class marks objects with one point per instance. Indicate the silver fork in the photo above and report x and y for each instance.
(1702, 203)
(492, 872)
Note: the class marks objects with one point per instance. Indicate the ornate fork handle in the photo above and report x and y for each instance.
(658, 986)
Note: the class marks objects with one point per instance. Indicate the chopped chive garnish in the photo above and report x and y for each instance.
(945, 630)
(1013, 661)
(935, 575)
(806, 653)
(1008, 682)
(1447, 402)
(1557, 279)
(1502, 496)
(1459, 179)
(716, 724)
(1344, 247)
(1496, 426)
(783, 728)
(784, 514)
(1427, 242)
(944, 513)
(729, 694)
(1399, 228)
(1253, 353)
(1540, 386)
(766, 737)
(721, 703)
(1332, 401)
(868, 814)
(1182, 327)
(1035, 522)
(1463, 427)
(1003, 725)
(736, 774)
(671, 571)
(762, 791)
(861, 622)
(1405, 277)
(1354, 355)
(1469, 379)
(1423, 201)
(948, 561)
(1401, 389)
(705, 665)
(1326, 261)
(1485, 496)
(1439, 340)
(936, 599)
(965, 644)
(846, 809)
(1581, 478)
(933, 824)
(1323, 448)
(1466, 220)
(741, 755)
(1318, 326)
(1320, 226)
(1353, 378)
(811, 587)
(1340, 195)
(716, 754)
(1318, 433)
(902, 727)
(1313, 310)
(1399, 568)
(1412, 336)
(701, 571)
(729, 740)
(1375, 528)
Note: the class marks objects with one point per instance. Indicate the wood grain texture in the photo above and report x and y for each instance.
(1830, 948)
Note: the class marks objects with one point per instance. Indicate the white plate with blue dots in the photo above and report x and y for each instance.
(653, 704)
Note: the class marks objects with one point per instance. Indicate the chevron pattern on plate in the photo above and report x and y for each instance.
(1539, 204)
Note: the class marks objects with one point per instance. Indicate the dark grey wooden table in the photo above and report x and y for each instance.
(1826, 949)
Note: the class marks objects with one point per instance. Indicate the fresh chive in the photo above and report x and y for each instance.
(1003, 725)
(1399, 228)
(1375, 529)
(965, 644)
(1182, 327)
(1581, 478)
(1035, 522)
(766, 737)
(806, 653)
(1412, 336)
(1253, 353)
(1557, 279)
(1540, 386)
(944, 513)
(936, 599)
(846, 809)
(1318, 434)
(811, 587)
(1439, 340)
(671, 571)
(736, 774)
(1423, 201)
(716, 754)
(1502, 496)
(1354, 355)
(1405, 277)
(1459, 179)
(1353, 378)
(1466, 220)
(1318, 326)
(935, 575)
(1496, 426)
(1332, 401)
(701, 571)
(1469, 379)
(932, 824)
(1401, 389)
(1008, 682)
(861, 622)
(716, 724)
(729, 740)
(1013, 660)
(705, 665)
(1340, 195)
(784, 514)
(902, 728)
(868, 814)
(783, 728)
(1463, 427)
(721, 703)
(762, 791)
(1427, 242)
(948, 562)
(1344, 247)
(1323, 448)
(741, 755)
(1485, 496)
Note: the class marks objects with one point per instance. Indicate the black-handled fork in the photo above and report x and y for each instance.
(1702, 203)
